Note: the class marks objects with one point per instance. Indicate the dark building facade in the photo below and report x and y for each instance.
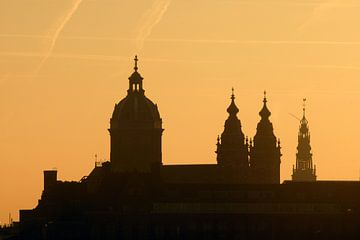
(304, 170)
(136, 196)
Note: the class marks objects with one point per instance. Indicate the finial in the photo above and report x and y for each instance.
(265, 100)
(232, 109)
(304, 105)
(264, 113)
(136, 61)
(232, 94)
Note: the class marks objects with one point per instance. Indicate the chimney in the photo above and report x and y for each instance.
(50, 178)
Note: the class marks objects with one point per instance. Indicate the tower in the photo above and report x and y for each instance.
(232, 148)
(304, 170)
(135, 130)
(265, 151)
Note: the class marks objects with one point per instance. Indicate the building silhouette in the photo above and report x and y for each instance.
(254, 162)
(136, 196)
(304, 170)
(232, 149)
(135, 130)
(265, 151)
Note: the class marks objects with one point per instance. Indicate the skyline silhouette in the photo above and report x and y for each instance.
(191, 59)
(136, 195)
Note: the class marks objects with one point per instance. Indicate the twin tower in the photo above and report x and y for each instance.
(257, 160)
(136, 130)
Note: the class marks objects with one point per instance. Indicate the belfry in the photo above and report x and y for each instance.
(304, 170)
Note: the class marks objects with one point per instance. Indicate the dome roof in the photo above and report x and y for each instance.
(232, 109)
(135, 110)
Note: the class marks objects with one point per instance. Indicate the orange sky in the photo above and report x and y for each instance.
(64, 64)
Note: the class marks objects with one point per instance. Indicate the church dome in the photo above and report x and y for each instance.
(136, 110)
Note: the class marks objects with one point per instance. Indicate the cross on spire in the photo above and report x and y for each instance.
(232, 94)
(136, 61)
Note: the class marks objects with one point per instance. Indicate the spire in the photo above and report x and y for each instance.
(136, 61)
(304, 169)
(304, 121)
(232, 109)
(265, 100)
(218, 140)
(304, 106)
(265, 113)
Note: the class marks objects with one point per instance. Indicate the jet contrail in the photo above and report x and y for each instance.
(100, 57)
(184, 40)
(153, 17)
(294, 116)
(320, 12)
(57, 33)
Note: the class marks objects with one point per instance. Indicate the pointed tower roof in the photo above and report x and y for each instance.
(232, 109)
(231, 147)
(265, 127)
(265, 112)
(232, 124)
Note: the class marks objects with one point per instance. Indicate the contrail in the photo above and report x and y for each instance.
(153, 17)
(57, 33)
(184, 40)
(319, 12)
(294, 116)
(125, 58)
(99, 57)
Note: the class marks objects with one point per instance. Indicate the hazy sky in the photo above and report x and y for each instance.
(65, 63)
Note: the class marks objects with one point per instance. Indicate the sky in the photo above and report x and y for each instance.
(65, 63)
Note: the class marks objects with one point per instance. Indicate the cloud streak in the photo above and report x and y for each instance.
(110, 58)
(151, 19)
(315, 3)
(57, 33)
(183, 40)
(91, 57)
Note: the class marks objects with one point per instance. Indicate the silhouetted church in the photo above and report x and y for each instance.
(254, 162)
(135, 196)
(136, 130)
